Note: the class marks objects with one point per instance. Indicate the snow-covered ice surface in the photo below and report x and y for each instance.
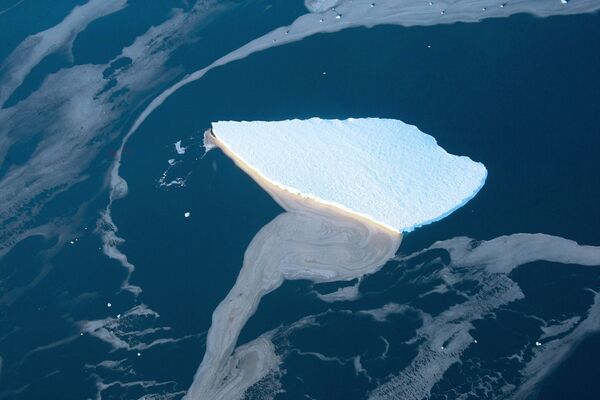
(381, 169)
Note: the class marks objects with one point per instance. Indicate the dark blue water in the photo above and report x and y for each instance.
(519, 94)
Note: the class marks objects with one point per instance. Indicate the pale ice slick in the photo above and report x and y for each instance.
(381, 169)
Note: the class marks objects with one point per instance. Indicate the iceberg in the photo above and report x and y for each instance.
(382, 170)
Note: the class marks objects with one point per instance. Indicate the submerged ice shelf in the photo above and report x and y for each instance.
(381, 169)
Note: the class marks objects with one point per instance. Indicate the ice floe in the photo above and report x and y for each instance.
(381, 169)
(179, 148)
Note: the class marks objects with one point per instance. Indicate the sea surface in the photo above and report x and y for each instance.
(494, 301)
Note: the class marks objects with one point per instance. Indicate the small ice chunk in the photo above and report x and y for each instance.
(139, 354)
(72, 242)
(179, 148)
(171, 161)
(475, 341)
(108, 305)
(338, 16)
(538, 344)
(186, 214)
(384, 170)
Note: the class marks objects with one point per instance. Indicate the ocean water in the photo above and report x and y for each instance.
(448, 317)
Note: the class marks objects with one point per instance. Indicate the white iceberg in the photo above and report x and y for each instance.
(380, 169)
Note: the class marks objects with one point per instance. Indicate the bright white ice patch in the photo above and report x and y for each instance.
(382, 169)
(179, 148)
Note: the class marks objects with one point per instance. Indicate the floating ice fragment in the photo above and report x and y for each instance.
(108, 305)
(538, 344)
(179, 148)
(186, 214)
(139, 354)
(338, 16)
(72, 242)
(475, 341)
(383, 170)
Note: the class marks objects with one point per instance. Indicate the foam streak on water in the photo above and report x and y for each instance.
(295, 245)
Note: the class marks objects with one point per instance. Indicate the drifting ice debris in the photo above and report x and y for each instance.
(538, 344)
(108, 305)
(72, 242)
(179, 148)
(139, 354)
(186, 214)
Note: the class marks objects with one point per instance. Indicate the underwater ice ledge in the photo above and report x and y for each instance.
(380, 170)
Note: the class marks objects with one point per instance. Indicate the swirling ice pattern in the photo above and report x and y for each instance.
(295, 245)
